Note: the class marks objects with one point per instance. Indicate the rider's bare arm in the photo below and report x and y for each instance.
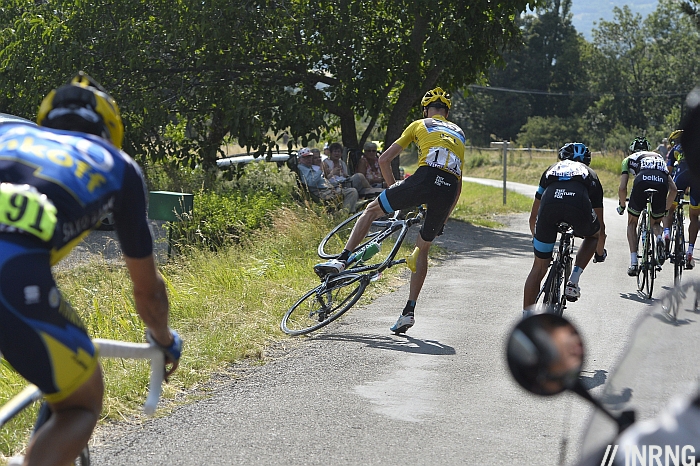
(385, 163)
(672, 191)
(533, 215)
(600, 248)
(622, 190)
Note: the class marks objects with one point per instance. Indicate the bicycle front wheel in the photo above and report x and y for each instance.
(334, 242)
(323, 304)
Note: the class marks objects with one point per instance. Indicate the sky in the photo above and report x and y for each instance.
(587, 12)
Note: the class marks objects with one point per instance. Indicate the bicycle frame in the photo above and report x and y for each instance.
(393, 225)
(338, 292)
(560, 266)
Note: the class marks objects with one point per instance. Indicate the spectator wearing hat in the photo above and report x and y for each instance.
(369, 166)
(319, 186)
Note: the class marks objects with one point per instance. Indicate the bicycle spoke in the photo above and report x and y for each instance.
(323, 304)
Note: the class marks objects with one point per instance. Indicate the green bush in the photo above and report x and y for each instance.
(222, 219)
(226, 211)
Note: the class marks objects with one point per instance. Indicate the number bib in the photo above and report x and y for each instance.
(24, 208)
(440, 157)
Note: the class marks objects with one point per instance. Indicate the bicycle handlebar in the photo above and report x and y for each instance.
(123, 349)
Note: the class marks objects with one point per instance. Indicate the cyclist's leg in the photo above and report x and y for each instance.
(635, 206)
(693, 227)
(70, 426)
(534, 279)
(45, 341)
(418, 277)
(371, 213)
(543, 245)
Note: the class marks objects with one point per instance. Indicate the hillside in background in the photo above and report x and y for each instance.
(587, 12)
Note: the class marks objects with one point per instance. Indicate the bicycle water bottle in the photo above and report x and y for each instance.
(370, 250)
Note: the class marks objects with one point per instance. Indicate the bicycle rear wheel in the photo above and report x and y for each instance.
(323, 304)
(678, 249)
(643, 269)
(550, 292)
(332, 245)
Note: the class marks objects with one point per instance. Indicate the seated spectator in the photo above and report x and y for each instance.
(317, 163)
(369, 166)
(336, 171)
(319, 186)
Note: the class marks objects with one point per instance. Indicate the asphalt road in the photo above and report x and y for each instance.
(354, 393)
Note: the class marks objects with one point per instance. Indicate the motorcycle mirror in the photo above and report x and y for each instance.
(545, 354)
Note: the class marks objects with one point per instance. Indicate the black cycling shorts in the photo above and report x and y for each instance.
(41, 336)
(428, 185)
(568, 202)
(646, 179)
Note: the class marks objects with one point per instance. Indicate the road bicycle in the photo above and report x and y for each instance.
(646, 249)
(677, 252)
(108, 349)
(339, 292)
(552, 292)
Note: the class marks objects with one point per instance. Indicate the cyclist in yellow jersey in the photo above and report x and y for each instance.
(437, 183)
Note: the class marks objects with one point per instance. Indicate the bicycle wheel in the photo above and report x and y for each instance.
(323, 304)
(550, 290)
(643, 269)
(651, 260)
(333, 243)
(568, 264)
(678, 248)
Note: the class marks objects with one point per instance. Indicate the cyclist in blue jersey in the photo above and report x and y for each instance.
(569, 191)
(684, 180)
(57, 181)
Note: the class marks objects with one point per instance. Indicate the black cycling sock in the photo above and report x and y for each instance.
(410, 308)
(344, 256)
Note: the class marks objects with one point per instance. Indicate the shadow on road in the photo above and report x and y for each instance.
(597, 379)
(462, 237)
(406, 344)
(635, 297)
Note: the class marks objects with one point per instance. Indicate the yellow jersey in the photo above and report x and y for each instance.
(440, 143)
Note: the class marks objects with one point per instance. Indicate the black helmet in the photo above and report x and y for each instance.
(639, 144)
(576, 151)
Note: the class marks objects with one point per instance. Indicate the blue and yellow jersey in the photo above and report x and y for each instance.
(56, 185)
(440, 143)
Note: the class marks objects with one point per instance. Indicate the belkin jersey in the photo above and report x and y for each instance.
(643, 160)
(56, 185)
(575, 172)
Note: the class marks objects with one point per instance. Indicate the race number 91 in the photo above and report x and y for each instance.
(25, 208)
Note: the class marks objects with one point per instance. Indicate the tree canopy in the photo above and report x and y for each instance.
(189, 76)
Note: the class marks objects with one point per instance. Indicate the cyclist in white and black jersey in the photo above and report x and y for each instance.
(570, 192)
(650, 171)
